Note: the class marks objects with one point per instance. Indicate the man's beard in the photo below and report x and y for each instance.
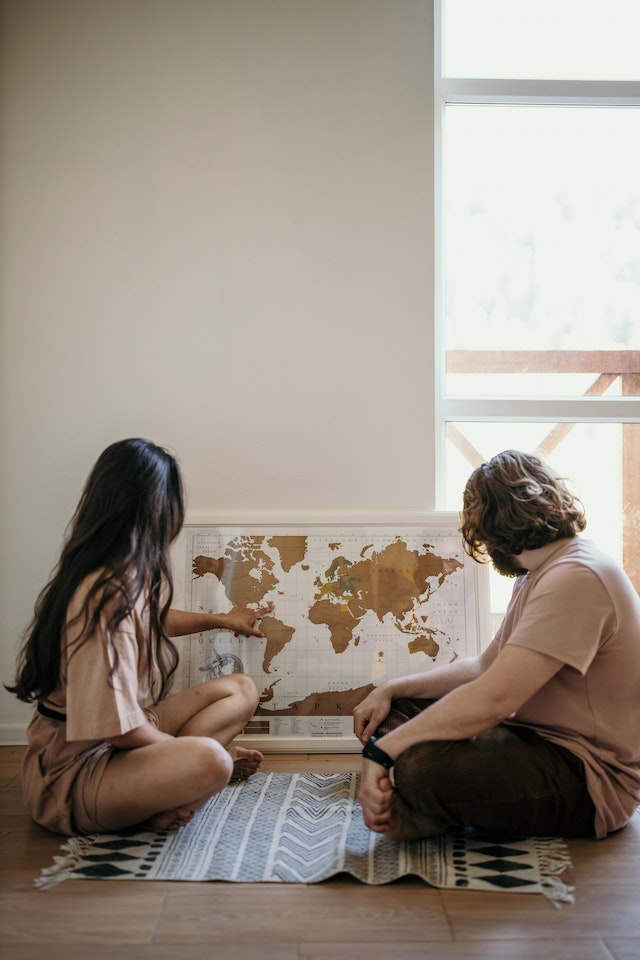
(505, 564)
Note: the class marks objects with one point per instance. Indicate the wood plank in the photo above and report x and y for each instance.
(487, 950)
(82, 910)
(631, 487)
(341, 909)
(600, 910)
(543, 361)
(623, 948)
(207, 950)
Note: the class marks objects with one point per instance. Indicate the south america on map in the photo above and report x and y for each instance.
(352, 606)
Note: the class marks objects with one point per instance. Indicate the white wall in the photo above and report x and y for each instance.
(216, 232)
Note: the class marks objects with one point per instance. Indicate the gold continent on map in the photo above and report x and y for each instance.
(390, 581)
(236, 571)
(424, 644)
(325, 704)
(338, 618)
(291, 550)
(278, 635)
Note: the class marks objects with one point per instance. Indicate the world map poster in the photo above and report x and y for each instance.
(353, 605)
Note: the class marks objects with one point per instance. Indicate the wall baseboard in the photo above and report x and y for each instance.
(13, 734)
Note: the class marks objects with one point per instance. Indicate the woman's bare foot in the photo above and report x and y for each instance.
(245, 762)
(171, 819)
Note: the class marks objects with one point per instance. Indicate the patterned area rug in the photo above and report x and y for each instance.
(304, 828)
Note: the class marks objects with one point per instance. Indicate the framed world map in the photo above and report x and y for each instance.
(354, 604)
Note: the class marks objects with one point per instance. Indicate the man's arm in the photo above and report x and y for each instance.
(495, 695)
(511, 679)
(432, 685)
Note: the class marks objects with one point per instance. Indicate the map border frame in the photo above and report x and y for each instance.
(476, 575)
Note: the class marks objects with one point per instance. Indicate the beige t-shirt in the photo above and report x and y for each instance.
(98, 708)
(64, 762)
(581, 608)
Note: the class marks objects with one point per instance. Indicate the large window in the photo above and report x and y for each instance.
(538, 153)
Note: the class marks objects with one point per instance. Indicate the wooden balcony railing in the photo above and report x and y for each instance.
(609, 365)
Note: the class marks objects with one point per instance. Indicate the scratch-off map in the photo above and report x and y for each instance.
(354, 605)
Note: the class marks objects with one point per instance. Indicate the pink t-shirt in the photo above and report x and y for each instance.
(580, 607)
(64, 762)
(98, 708)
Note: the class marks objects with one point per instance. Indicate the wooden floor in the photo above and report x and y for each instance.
(340, 919)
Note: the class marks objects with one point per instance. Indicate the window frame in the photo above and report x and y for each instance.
(480, 408)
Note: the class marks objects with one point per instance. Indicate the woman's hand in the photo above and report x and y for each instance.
(180, 623)
(369, 714)
(242, 620)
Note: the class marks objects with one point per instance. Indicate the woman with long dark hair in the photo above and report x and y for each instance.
(100, 647)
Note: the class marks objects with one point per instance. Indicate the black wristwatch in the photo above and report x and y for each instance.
(371, 752)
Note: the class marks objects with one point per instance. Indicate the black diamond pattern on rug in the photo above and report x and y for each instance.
(506, 881)
(498, 850)
(498, 866)
(103, 871)
(502, 866)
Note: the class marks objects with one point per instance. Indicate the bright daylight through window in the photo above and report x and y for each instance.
(538, 153)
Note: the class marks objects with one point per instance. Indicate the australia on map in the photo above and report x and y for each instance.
(352, 606)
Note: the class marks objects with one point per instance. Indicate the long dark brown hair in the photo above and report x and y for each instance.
(130, 511)
(515, 502)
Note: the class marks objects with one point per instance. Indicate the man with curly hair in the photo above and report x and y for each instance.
(540, 734)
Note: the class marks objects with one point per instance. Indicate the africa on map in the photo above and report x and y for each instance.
(354, 605)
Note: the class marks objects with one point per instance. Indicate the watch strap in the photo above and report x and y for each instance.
(372, 752)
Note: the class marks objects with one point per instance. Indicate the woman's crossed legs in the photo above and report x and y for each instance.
(165, 783)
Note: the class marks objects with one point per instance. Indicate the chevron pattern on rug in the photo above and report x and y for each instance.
(304, 828)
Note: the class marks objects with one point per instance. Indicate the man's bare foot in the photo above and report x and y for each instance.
(245, 762)
(171, 819)
(406, 823)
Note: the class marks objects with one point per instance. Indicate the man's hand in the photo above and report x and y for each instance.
(369, 714)
(375, 796)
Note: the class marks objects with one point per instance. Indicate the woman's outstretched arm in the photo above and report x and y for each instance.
(242, 620)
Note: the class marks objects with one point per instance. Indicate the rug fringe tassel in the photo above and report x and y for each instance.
(556, 891)
(553, 858)
(63, 867)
